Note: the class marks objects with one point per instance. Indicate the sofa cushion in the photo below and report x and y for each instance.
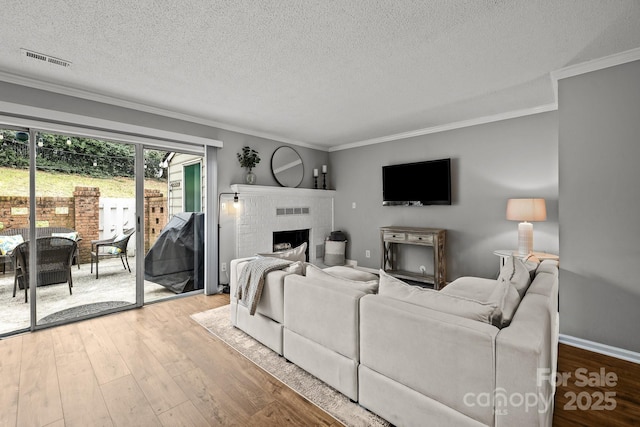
(545, 280)
(350, 273)
(516, 273)
(73, 235)
(9, 243)
(475, 288)
(464, 307)
(314, 272)
(296, 254)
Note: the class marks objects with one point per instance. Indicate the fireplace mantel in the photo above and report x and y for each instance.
(266, 190)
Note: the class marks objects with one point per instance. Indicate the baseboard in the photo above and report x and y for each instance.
(596, 347)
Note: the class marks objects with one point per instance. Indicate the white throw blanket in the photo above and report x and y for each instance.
(251, 280)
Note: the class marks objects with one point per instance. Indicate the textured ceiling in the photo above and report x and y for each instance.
(319, 72)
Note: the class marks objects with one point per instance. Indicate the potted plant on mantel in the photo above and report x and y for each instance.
(248, 160)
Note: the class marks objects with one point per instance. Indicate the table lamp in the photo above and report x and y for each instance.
(526, 210)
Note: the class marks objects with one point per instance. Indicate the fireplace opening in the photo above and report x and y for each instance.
(283, 240)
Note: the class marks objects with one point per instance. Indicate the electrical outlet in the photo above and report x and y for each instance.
(367, 253)
(423, 269)
(353, 205)
(223, 266)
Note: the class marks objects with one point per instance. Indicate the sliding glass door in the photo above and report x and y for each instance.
(85, 226)
(14, 225)
(174, 225)
(92, 224)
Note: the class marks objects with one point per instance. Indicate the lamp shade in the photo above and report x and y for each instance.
(526, 210)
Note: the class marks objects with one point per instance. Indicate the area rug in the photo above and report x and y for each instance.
(326, 398)
(83, 310)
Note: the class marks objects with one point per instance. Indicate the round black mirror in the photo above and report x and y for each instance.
(287, 167)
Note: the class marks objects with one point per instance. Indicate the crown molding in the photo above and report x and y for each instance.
(449, 126)
(593, 65)
(138, 106)
(597, 64)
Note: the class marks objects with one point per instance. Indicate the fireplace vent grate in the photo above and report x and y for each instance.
(292, 211)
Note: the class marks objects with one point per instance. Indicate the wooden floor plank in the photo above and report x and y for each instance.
(39, 386)
(127, 403)
(184, 415)
(82, 400)
(10, 360)
(161, 390)
(211, 400)
(103, 354)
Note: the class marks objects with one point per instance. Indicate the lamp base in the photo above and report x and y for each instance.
(525, 238)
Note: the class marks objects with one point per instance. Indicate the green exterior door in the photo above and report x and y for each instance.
(192, 188)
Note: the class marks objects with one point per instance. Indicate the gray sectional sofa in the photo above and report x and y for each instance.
(474, 354)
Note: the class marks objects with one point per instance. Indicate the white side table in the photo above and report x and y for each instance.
(506, 253)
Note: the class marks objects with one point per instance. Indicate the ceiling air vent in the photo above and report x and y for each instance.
(45, 58)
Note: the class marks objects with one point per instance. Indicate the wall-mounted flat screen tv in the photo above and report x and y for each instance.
(417, 184)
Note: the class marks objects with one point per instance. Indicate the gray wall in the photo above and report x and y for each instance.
(490, 163)
(229, 170)
(599, 145)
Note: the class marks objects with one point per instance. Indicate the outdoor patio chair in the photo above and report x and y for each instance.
(117, 247)
(54, 255)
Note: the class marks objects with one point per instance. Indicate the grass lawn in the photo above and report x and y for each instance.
(15, 182)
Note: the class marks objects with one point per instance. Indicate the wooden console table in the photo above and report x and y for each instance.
(391, 237)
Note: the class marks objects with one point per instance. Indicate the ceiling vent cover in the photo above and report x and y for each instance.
(45, 58)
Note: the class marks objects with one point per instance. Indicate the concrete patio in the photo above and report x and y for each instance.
(115, 284)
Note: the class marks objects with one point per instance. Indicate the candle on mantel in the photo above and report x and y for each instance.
(324, 168)
(315, 172)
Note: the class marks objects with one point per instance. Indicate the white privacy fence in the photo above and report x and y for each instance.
(116, 215)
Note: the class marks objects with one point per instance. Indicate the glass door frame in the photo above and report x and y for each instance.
(139, 219)
(209, 153)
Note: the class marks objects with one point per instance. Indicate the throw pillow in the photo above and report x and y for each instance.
(350, 273)
(516, 273)
(73, 235)
(295, 268)
(295, 254)
(314, 272)
(397, 289)
(9, 243)
(531, 262)
(506, 300)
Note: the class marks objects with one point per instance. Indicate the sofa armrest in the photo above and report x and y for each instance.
(324, 312)
(235, 266)
(445, 357)
(524, 365)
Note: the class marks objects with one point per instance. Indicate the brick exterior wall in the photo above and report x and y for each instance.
(81, 213)
(50, 212)
(87, 218)
(155, 209)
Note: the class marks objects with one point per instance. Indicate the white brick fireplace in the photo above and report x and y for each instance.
(264, 210)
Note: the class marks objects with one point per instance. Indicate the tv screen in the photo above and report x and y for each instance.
(417, 184)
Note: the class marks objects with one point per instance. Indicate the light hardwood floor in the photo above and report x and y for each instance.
(147, 367)
(156, 367)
